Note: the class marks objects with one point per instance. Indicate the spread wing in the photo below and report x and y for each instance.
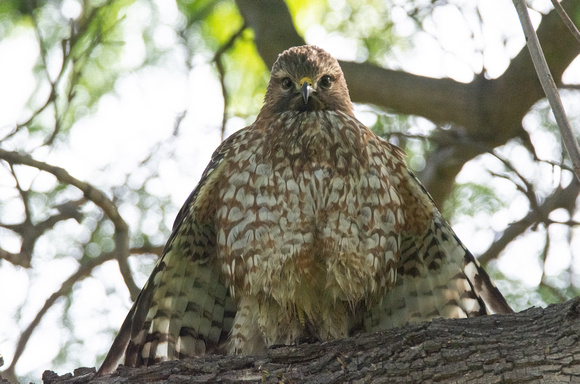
(185, 308)
(436, 276)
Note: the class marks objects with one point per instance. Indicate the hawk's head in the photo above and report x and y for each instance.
(306, 78)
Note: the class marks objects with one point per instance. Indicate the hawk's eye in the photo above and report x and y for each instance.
(286, 83)
(325, 81)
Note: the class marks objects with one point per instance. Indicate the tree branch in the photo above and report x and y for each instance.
(15, 258)
(30, 232)
(566, 19)
(273, 28)
(534, 345)
(549, 85)
(217, 59)
(97, 197)
(84, 270)
(561, 198)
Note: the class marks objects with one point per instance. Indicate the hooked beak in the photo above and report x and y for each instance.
(306, 89)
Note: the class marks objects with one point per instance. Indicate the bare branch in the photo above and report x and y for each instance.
(566, 19)
(23, 195)
(15, 258)
(561, 198)
(574, 87)
(549, 85)
(30, 232)
(147, 250)
(83, 271)
(97, 197)
(49, 100)
(544, 253)
(217, 58)
(527, 189)
(177, 124)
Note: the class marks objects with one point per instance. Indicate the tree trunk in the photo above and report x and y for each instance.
(536, 345)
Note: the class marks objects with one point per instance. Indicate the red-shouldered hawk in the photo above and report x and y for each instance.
(305, 225)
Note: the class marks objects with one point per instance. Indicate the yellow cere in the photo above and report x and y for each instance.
(305, 79)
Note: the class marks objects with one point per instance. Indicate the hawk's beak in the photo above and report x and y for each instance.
(306, 88)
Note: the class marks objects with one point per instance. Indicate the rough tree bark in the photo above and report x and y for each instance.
(536, 345)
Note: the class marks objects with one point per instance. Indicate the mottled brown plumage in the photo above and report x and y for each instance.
(305, 225)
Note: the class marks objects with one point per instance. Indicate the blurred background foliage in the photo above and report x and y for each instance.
(65, 295)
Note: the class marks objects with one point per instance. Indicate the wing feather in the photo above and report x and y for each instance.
(436, 276)
(186, 294)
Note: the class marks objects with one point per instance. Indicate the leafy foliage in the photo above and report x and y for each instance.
(470, 198)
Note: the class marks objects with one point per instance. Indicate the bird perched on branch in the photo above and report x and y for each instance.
(305, 226)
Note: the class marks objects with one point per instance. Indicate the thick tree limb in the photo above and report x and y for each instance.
(531, 346)
(273, 28)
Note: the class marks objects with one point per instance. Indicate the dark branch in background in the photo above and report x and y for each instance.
(273, 28)
(148, 250)
(30, 232)
(479, 107)
(97, 197)
(561, 198)
(177, 124)
(50, 99)
(84, 270)
(23, 195)
(14, 258)
(217, 58)
(527, 188)
(543, 258)
(574, 87)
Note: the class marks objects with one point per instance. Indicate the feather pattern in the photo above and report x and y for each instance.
(305, 225)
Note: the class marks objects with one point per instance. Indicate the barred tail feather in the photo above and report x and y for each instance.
(125, 338)
(479, 281)
(485, 287)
